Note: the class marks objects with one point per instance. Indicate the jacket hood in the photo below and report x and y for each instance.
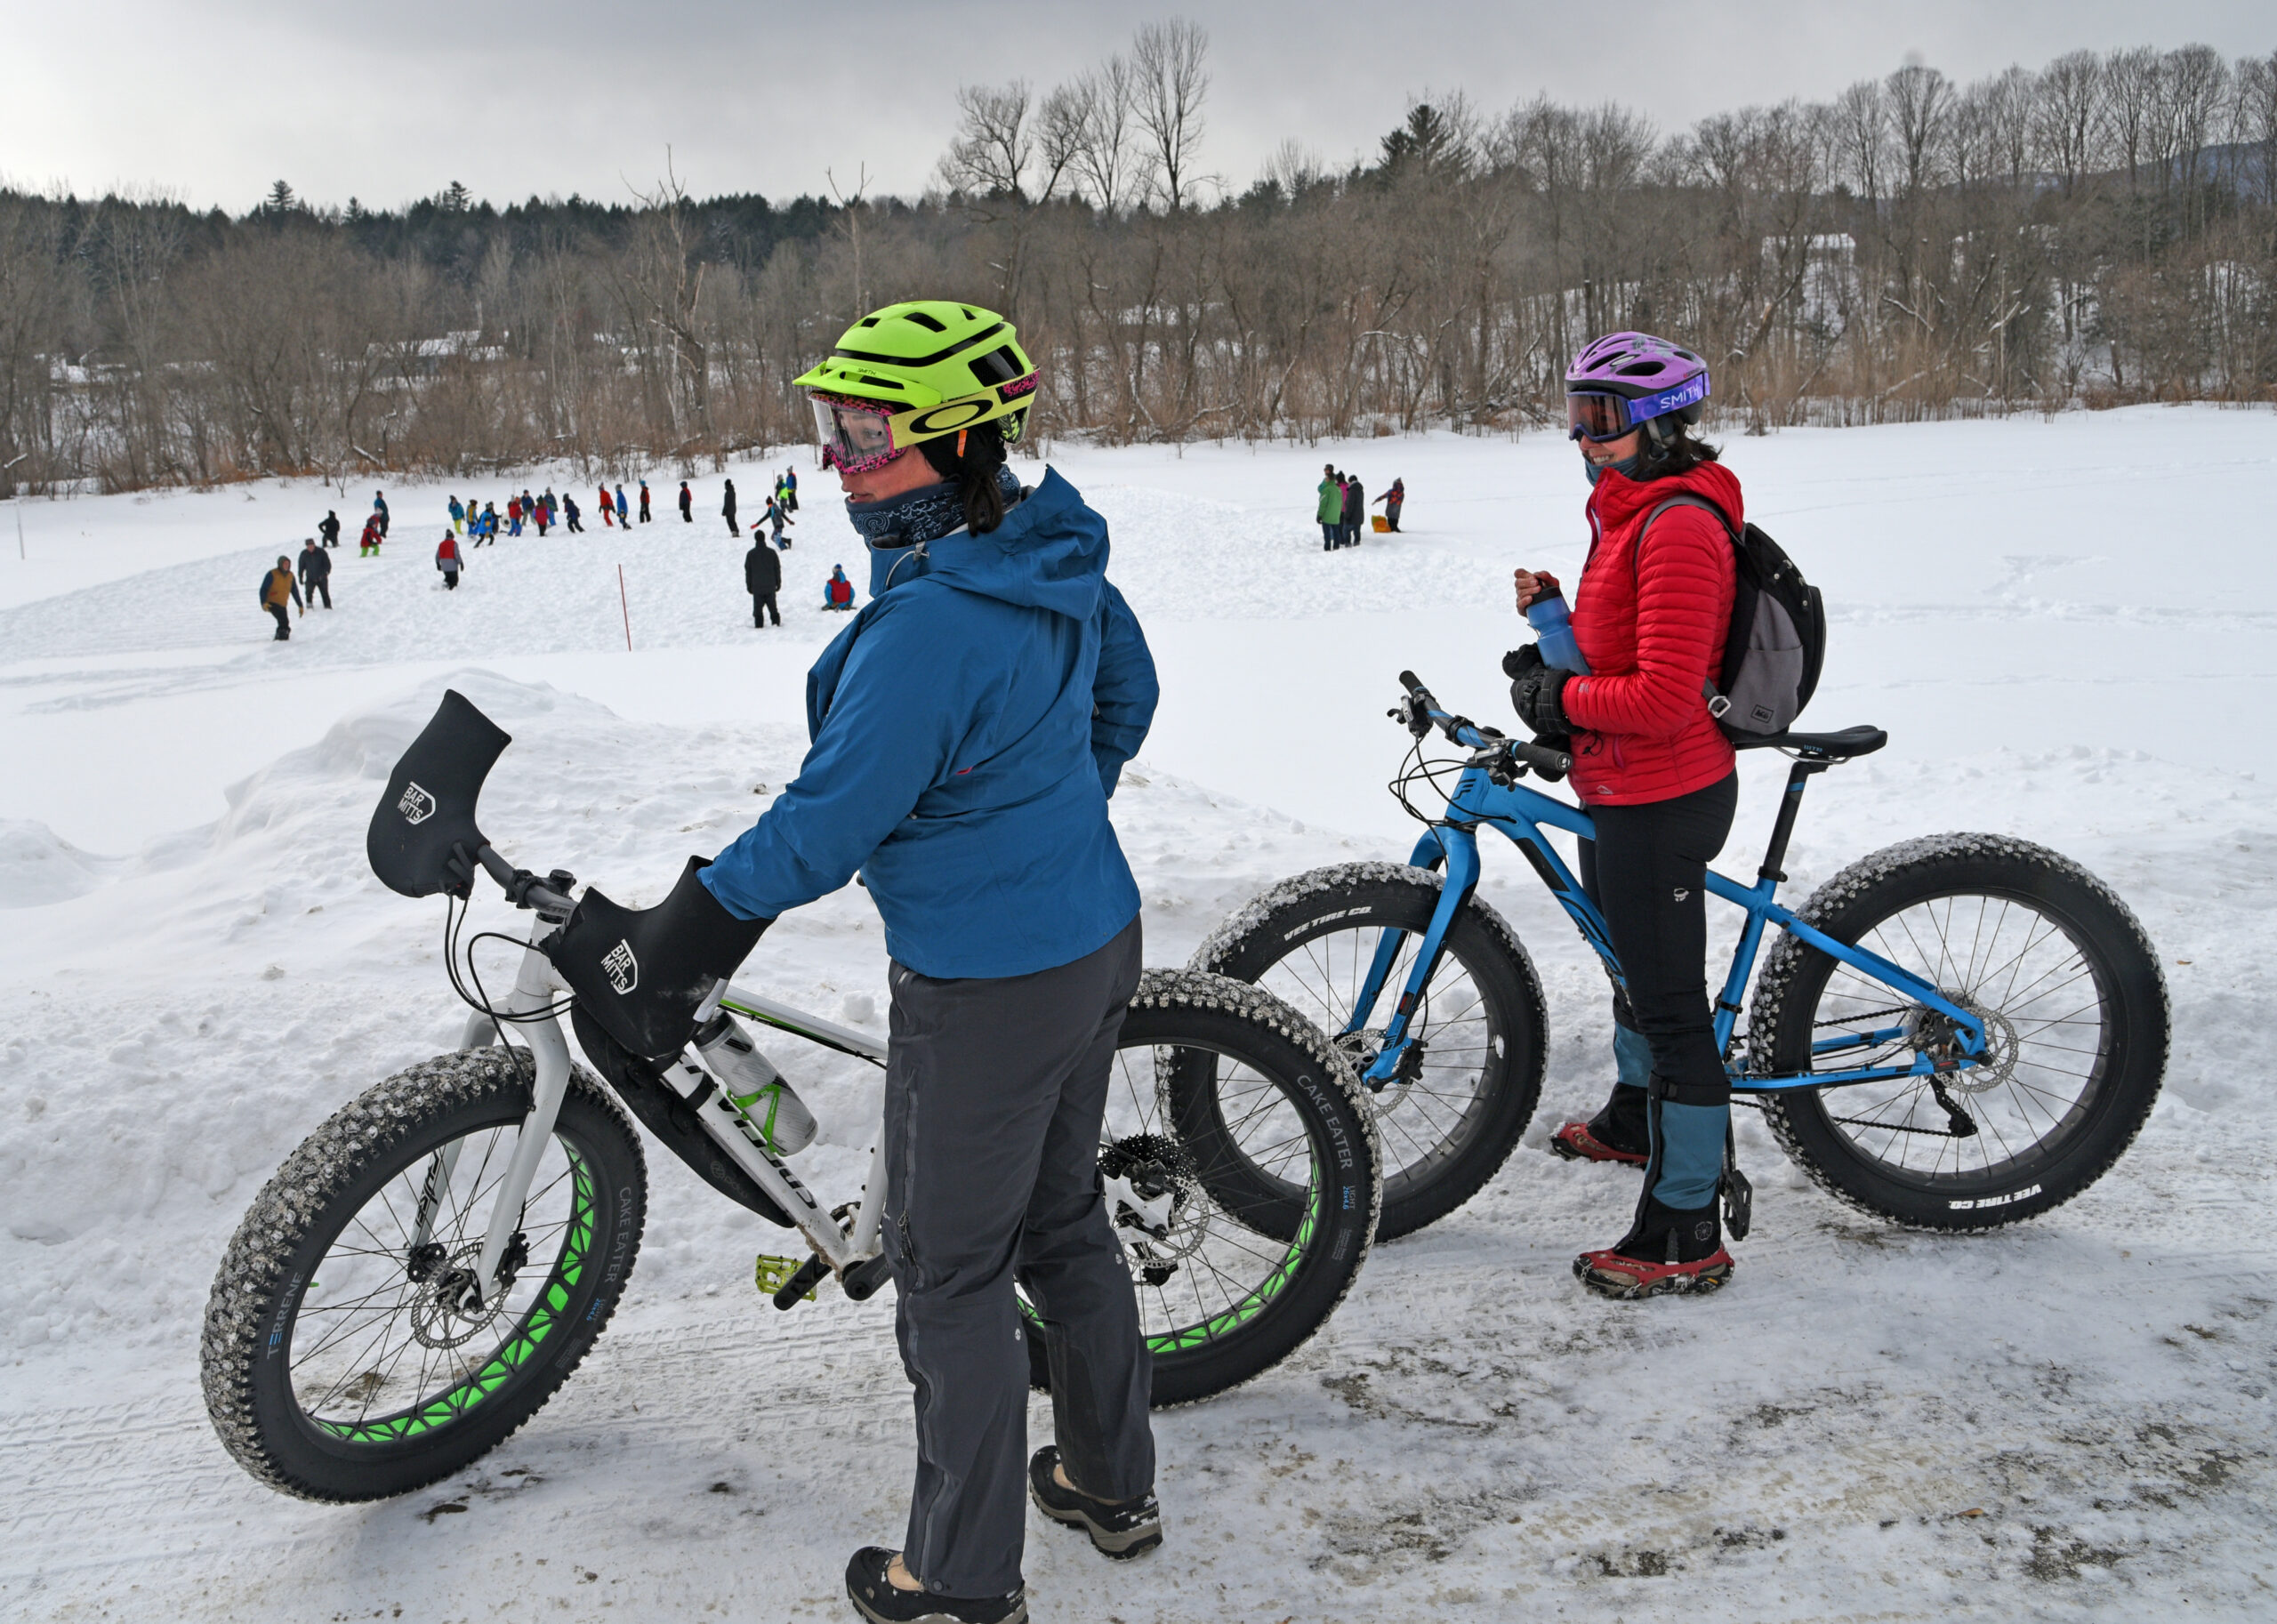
(1615, 499)
(1050, 554)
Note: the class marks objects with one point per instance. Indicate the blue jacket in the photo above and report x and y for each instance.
(968, 729)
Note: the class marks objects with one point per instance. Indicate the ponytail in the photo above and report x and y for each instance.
(969, 460)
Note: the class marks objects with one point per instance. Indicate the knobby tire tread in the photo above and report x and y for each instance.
(1247, 942)
(1170, 991)
(1917, 862)
(299, 1195)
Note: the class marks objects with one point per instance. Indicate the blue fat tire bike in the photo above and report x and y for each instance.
(1956, 1032)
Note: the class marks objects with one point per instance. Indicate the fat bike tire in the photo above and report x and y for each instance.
(269, 1322)
(2072, 996)
(1215, 1079)
(1448, 1129)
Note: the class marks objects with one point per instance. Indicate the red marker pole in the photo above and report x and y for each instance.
(625, 606)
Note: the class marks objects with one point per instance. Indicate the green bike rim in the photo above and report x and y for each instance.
(511, 1356)
(1187, 1338)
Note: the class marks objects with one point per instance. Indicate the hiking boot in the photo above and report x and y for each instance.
(1666, 1250)
(882, 1601)
(1618, 1133)
(1120, 1529)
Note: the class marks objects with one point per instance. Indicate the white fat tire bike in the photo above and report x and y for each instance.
(429, 1266)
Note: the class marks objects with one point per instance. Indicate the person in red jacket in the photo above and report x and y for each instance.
(1650, 613)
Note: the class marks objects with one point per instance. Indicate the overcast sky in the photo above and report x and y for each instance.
(212, 99)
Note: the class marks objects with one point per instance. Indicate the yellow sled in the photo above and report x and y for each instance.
(1379, 524)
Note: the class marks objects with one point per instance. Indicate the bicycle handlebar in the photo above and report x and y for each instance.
(523, 888)
(1423, 713)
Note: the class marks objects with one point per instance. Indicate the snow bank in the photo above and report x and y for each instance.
(39, 867)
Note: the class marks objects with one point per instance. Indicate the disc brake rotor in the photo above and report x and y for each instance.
(1151, 1197)
(1931, 1033)
(436, 1321)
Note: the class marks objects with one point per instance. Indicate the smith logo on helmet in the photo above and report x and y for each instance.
(417, 806)
(622, 969)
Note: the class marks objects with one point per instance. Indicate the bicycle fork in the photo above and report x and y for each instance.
(1461, 855)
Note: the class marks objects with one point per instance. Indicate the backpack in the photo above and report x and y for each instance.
(1777, 640)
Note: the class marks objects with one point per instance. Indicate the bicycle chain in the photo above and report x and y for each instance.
(1958, 1125)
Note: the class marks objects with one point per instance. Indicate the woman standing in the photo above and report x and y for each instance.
(968, 724)
(1651, 612)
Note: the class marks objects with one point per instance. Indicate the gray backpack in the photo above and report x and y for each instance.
(1777, 640)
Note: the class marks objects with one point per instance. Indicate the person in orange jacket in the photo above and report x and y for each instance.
(277, 589)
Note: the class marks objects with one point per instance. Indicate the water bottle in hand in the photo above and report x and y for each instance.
(1554, 632)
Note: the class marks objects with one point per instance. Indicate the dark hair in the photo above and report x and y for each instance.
(1669, 447)
(973, 473)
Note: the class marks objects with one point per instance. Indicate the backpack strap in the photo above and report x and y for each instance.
(1717, 703)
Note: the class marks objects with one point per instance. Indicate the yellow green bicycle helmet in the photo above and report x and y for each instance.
(917, 371)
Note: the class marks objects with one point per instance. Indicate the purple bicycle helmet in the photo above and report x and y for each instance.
(1624, 380)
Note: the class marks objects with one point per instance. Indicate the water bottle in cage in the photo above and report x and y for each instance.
(749, 1078)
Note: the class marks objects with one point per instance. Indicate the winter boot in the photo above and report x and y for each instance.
(1120, 1529)
(1618, 1133)
(882, 1601)
(1666, 1249)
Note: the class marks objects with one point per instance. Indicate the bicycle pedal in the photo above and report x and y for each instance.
(786, 1280)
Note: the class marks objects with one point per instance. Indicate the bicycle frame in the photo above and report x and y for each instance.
(536, 989)
(1520, 814)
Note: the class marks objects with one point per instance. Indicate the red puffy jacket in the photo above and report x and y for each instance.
(1653, 631)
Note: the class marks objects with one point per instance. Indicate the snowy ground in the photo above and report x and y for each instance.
(2067, 627)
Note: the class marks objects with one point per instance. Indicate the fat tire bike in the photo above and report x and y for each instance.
(1953, 1034)
(431, 1265)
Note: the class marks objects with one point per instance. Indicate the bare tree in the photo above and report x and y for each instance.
(1102, 162)
(2068, 115)
(994, 142)
(1171, 82)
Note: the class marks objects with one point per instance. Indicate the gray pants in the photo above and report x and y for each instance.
(994, 1093)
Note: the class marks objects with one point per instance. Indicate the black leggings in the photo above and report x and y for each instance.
(1647, 872)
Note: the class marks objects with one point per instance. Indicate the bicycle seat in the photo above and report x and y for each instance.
(1821, 746)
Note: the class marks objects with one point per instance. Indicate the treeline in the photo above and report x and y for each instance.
(2103, 229)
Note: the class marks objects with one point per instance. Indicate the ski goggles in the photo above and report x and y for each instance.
(1597, 415)
(858, 435)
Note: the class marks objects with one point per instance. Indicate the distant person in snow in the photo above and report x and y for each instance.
(277, 589)
(330, 528)
(489, 524)
(513, 514)
(547, 506)
(728, 507)
(686, 504)
(789, 490)
(838, 591)
(446, 559)
(762, 579)
(458, 516)
(624, 510)
(316, 574)
(569, 512)
(1330, 509)
(644, 501)
(608, 510)
(367, 545)
(1394, 500)
(380, 507)
(775, 516)
(1355, 512)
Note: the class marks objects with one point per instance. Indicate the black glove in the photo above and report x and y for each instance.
(1534, 691)
(641, 972)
